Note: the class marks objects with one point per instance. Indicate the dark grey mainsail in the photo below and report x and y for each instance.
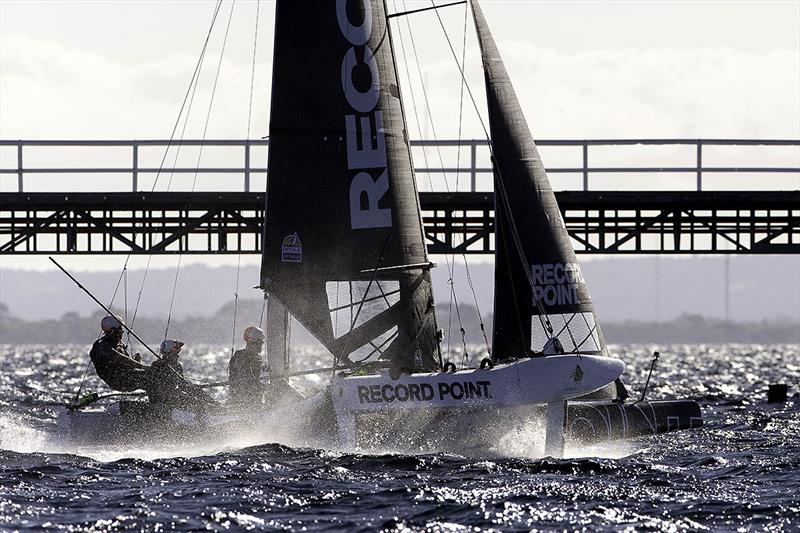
(540, 292)
(343, 242)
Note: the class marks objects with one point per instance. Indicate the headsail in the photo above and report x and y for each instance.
(540, 292)
(343, 242)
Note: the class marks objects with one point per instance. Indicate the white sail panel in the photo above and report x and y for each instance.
(577, 332)
(353, 303)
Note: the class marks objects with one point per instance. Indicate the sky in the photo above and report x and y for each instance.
(626, 69)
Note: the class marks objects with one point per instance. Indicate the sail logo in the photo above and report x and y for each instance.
(556, 283)
(292, 249)
(364, 132)
(577, 374)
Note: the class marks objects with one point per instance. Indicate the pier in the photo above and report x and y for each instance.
(44, 211)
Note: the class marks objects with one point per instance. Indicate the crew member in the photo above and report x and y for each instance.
(244, 370)
(113, 363)
(167, 375)
(164, 384)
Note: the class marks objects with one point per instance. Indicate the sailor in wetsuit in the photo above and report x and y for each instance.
(113, 363)
(244, 370)
(163, 381)
(167, 375)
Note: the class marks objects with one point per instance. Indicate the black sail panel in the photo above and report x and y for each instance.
(343, 243)
(540, 292)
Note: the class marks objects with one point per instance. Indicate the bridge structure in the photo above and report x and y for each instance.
(135, 199)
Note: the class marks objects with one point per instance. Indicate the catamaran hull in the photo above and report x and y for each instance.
(140, 424)
(539, 380)
(466, 430)
(493, 430)
(598, 421)
(135, 423)
(549, 381)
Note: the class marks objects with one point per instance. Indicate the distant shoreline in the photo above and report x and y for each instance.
(217, 329)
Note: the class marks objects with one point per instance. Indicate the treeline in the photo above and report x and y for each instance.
(72, 328)
(695, 329)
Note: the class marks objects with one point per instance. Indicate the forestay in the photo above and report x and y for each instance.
(343, 242)
(540, 291)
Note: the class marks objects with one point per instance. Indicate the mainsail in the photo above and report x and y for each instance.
(343, 241)
(540, 292)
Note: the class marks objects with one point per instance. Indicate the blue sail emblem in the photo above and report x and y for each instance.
(292, 249)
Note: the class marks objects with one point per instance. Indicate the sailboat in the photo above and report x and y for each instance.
(344, 254)
(344, 251)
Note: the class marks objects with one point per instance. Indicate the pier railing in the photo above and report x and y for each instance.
(586, 165)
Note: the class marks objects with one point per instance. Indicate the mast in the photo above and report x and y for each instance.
(278, 339)
(540, 292)
(344, 250)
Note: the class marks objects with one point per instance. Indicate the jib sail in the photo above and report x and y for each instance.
(343, 242)
(540, 291)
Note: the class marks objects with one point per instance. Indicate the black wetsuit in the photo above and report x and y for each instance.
(244, 377)
(115, 367)
(167, 384)
(163, 381)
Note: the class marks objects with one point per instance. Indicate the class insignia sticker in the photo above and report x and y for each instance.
(292, 249)
(577, 374)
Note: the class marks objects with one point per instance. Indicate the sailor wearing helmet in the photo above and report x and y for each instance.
(168, 386)
(244, 370)
(113, 363)
(170, 351)
(163, 381)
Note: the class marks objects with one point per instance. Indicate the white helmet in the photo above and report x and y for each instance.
(171, 346)
(110, 322)
(254, 334)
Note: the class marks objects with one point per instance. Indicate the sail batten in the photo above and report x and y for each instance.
(342, 209)
(540, 293)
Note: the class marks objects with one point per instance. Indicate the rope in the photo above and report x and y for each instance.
(200, 155)
(119, 281)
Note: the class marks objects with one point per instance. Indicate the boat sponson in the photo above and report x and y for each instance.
(589, 422)
(523, 382)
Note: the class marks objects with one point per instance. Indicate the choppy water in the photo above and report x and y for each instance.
(739, 472)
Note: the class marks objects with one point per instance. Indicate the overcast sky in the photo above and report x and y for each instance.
(119, 70)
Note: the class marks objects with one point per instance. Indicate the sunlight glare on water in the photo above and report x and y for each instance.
(738, 472)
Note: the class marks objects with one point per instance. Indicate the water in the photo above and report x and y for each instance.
(741, 471)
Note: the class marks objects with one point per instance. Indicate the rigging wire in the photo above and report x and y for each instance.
(261, 325)
(463, 76)
(189, 90)
(451, 261)
(458, 175)
(545, 322)
(343, 353)
(125, 294)
(249, 117)
(188, 98)
(424, 152)
(200, 155)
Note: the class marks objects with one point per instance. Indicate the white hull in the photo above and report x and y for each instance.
(544, 380)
